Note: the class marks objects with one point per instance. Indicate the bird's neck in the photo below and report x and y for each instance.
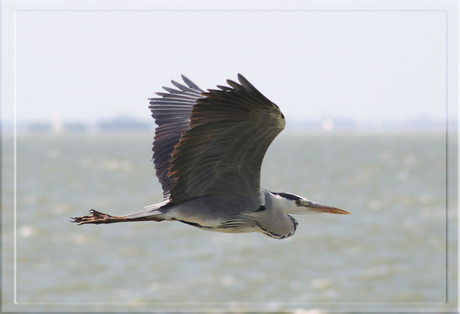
(273, 221)
(277, 225)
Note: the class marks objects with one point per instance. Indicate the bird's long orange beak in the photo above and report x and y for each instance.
(320, 208)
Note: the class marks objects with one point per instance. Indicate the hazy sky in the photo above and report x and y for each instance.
(86, 62)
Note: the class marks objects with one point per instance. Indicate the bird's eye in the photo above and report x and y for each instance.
(297, 202)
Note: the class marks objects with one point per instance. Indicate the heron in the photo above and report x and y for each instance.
(207, 152)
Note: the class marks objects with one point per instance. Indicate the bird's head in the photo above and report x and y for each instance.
(295, 204)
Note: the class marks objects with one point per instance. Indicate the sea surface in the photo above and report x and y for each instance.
(396, 251)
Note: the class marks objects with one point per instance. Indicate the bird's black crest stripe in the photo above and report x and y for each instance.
(288, 196)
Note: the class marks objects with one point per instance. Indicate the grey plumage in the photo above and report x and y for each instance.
(172, 115)
(208, 151)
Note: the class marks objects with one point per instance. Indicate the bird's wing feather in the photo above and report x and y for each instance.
(222, 152)
(172, 115)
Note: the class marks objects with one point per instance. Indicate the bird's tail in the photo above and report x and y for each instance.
(151, 211)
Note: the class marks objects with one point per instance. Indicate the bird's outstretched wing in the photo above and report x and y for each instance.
(222, 152)
(172, 115)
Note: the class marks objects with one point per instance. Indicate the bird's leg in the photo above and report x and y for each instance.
(96, 217)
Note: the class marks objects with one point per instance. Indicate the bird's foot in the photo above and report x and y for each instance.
(96, 217)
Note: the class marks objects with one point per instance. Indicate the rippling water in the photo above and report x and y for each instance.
(389, 254)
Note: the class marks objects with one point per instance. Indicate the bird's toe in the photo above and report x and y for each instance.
(95, 217)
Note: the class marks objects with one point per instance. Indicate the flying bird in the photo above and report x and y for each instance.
(208, 151)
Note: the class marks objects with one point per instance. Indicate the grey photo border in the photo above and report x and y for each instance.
(229, 304)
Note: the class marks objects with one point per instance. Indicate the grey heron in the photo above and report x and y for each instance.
(207, 151)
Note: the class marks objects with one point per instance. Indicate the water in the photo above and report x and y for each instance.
(390, 254)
